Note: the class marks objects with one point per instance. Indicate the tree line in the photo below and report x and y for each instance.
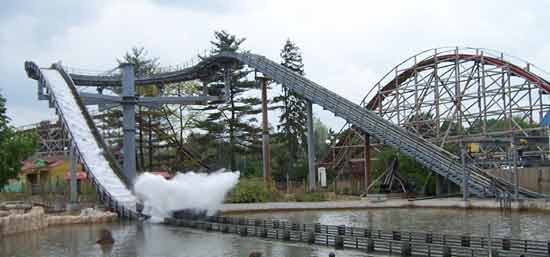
(222, 134)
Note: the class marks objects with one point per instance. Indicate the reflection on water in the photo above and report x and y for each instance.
(135, 239)
(525, 225)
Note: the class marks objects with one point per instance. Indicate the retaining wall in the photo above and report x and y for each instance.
(36, 219)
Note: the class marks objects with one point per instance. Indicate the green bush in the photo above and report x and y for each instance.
(249, 190)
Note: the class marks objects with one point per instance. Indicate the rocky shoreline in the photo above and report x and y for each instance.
(16, 221)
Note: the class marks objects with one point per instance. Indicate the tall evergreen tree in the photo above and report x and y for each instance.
(292, 125)
(3, 116)
(15, 147)
(233, 121)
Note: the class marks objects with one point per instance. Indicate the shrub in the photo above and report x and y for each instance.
(249, 190)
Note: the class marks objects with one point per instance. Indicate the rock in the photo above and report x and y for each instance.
(37, 210)
(4, 213)
(105, 237)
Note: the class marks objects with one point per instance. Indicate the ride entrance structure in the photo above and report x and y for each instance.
(58, 86)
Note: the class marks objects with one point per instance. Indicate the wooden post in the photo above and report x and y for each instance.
(265, 133)
(286, 235)
(406, 250)
(367, 171)
(370, 245)
(311, 238)
(447, 251)
(339, 242)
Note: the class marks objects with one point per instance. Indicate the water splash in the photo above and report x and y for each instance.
(190, 190)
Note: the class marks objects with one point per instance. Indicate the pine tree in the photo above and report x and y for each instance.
(231, 123)
(292, 129)
(16, 147)
(3, 116)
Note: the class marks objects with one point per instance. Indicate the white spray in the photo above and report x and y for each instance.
(190, 190)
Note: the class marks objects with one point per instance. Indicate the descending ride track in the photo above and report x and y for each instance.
(63, 97)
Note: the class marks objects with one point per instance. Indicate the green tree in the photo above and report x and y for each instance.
(16, 147)
(292, 122)
(177, 128)
(323, 136)
(500, 124)
(234, 120)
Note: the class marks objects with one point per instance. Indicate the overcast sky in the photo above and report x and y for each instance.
(347, 45)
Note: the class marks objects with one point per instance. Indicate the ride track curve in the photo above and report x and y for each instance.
(542, 83)
(431, 156)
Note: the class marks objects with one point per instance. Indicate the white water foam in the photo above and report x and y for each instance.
(190, 190)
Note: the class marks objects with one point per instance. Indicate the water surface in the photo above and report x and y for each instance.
(136, 239)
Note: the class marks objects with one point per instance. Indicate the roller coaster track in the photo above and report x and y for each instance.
(431, 156)
(408, 73)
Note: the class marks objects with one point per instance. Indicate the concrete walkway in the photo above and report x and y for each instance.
(531, 204)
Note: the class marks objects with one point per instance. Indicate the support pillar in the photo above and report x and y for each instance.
(439, 185)
(265, 133)
(310, 147)
(465, 173)
(515, 168)
(129, 121)
(367, 167)
(72, 169)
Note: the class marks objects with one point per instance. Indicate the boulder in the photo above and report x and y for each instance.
(105, 237)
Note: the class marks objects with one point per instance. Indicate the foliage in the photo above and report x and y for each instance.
(291, 136)
(233, 121)
(500, 124)
(16, 147)
(412, 171)
(249, 190)
(176, 122)
(138, 57)
(322, 137)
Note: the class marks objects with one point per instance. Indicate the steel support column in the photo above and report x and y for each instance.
(265, 133)
(466, 177)
(439, 185)
(129, 120)
(310, 147)
(72, 169)
(515, 168)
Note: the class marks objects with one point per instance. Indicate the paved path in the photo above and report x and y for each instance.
(535, 204)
